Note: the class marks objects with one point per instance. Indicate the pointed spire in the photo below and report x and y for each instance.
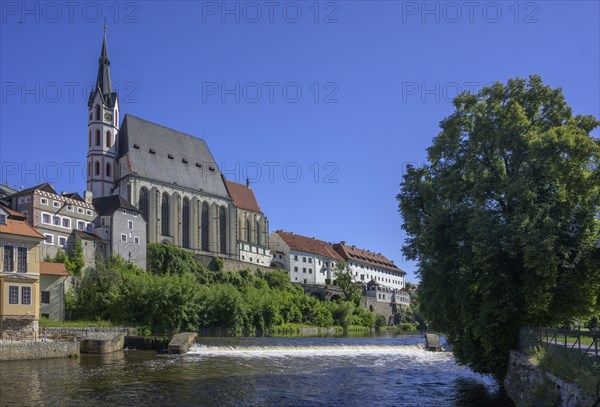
(103, 80)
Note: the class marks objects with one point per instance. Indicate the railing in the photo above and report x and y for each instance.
(583, 345)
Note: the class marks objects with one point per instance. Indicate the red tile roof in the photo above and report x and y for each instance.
(308, 244)
(352, 253)
(243, 196)
(53, 269)
(16, 225)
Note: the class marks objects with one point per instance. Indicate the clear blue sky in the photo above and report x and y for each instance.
(387, 70)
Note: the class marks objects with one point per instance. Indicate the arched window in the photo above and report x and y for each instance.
(143, 205)
(97, 168)
(248, 231)
(108, 170)
(257, 232)
(222, 230)
(98, 112)
(108, 139)
(185, 223)
(90, 139)
(165, 215)
(97, 137)
(204, 225)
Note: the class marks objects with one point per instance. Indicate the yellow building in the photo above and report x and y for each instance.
(19, 276)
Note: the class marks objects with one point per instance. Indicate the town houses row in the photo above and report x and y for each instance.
(147, 183)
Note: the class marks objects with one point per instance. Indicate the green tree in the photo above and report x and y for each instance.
(76, 262)
(504, 219)
(344, 279)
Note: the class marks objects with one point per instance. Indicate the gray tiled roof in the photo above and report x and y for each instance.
(169, 156)
(107, 205)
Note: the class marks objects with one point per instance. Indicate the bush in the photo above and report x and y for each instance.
(407, 327)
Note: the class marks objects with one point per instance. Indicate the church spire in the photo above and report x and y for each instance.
(103, 79)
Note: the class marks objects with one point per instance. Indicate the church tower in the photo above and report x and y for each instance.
(103, 130)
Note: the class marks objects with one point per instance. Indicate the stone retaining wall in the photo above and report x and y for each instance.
(79, 334)
(37, 350)
(232, 264)
(527, 385)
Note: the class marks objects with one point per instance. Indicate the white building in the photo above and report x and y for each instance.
(365, 266)
(309, 260)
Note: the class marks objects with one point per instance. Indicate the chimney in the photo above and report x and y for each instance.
(88, 196)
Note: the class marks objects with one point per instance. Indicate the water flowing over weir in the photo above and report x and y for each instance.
(371, 371)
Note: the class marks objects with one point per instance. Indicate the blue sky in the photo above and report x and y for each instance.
(320, 104)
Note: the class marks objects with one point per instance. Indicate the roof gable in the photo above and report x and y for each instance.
(243, 197)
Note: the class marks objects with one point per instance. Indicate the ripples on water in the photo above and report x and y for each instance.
(255, 371)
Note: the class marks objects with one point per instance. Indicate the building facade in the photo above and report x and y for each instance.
(309, 260)
(57, 217)
(53, 278)
(121, 225)
(19, 276)
(252, 234)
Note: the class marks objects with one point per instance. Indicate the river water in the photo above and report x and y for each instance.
(375, 371)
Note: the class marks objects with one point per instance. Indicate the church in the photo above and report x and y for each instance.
(172, 179)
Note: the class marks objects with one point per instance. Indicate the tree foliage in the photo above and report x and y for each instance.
(178, 293)
(504, 219)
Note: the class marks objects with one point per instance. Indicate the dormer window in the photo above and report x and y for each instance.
(198, 165)
(183, 160)
(151, 151)
(136, 146)
(170, 156)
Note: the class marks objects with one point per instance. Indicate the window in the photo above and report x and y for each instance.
(44, 201)
(296, 257)
(97, 168)
(56, 220)
(66, 222)
(223, 229)
(9, 258)
(309, 271)
(70, 208)
(90, 227)
(22, 260)
(143, 204)
(108, 139)
(165, 215)
(310, 259)
(13, 294)
(136, 240)
(103, 221)
(88, 213)
(123, 237)
(97, 110)
(2, 219)
(303, 259)
(56, 204)
(90, 138)
(49, 238)
(304, 269)
(80, 225)
(130, 224)
(185, 223)
(62, 241)
(204, 225)
(45, 297)
(108, 170)
(296, 269)
(80, 210)
(26, 295)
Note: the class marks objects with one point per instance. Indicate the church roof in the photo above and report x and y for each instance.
(308, 244)
(159, 153)
(243, 196)
(109, 204)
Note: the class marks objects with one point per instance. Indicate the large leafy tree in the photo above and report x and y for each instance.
(504, 219)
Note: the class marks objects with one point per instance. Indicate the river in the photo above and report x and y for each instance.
(373, 371)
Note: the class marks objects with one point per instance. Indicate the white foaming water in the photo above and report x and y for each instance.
(315, 350)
